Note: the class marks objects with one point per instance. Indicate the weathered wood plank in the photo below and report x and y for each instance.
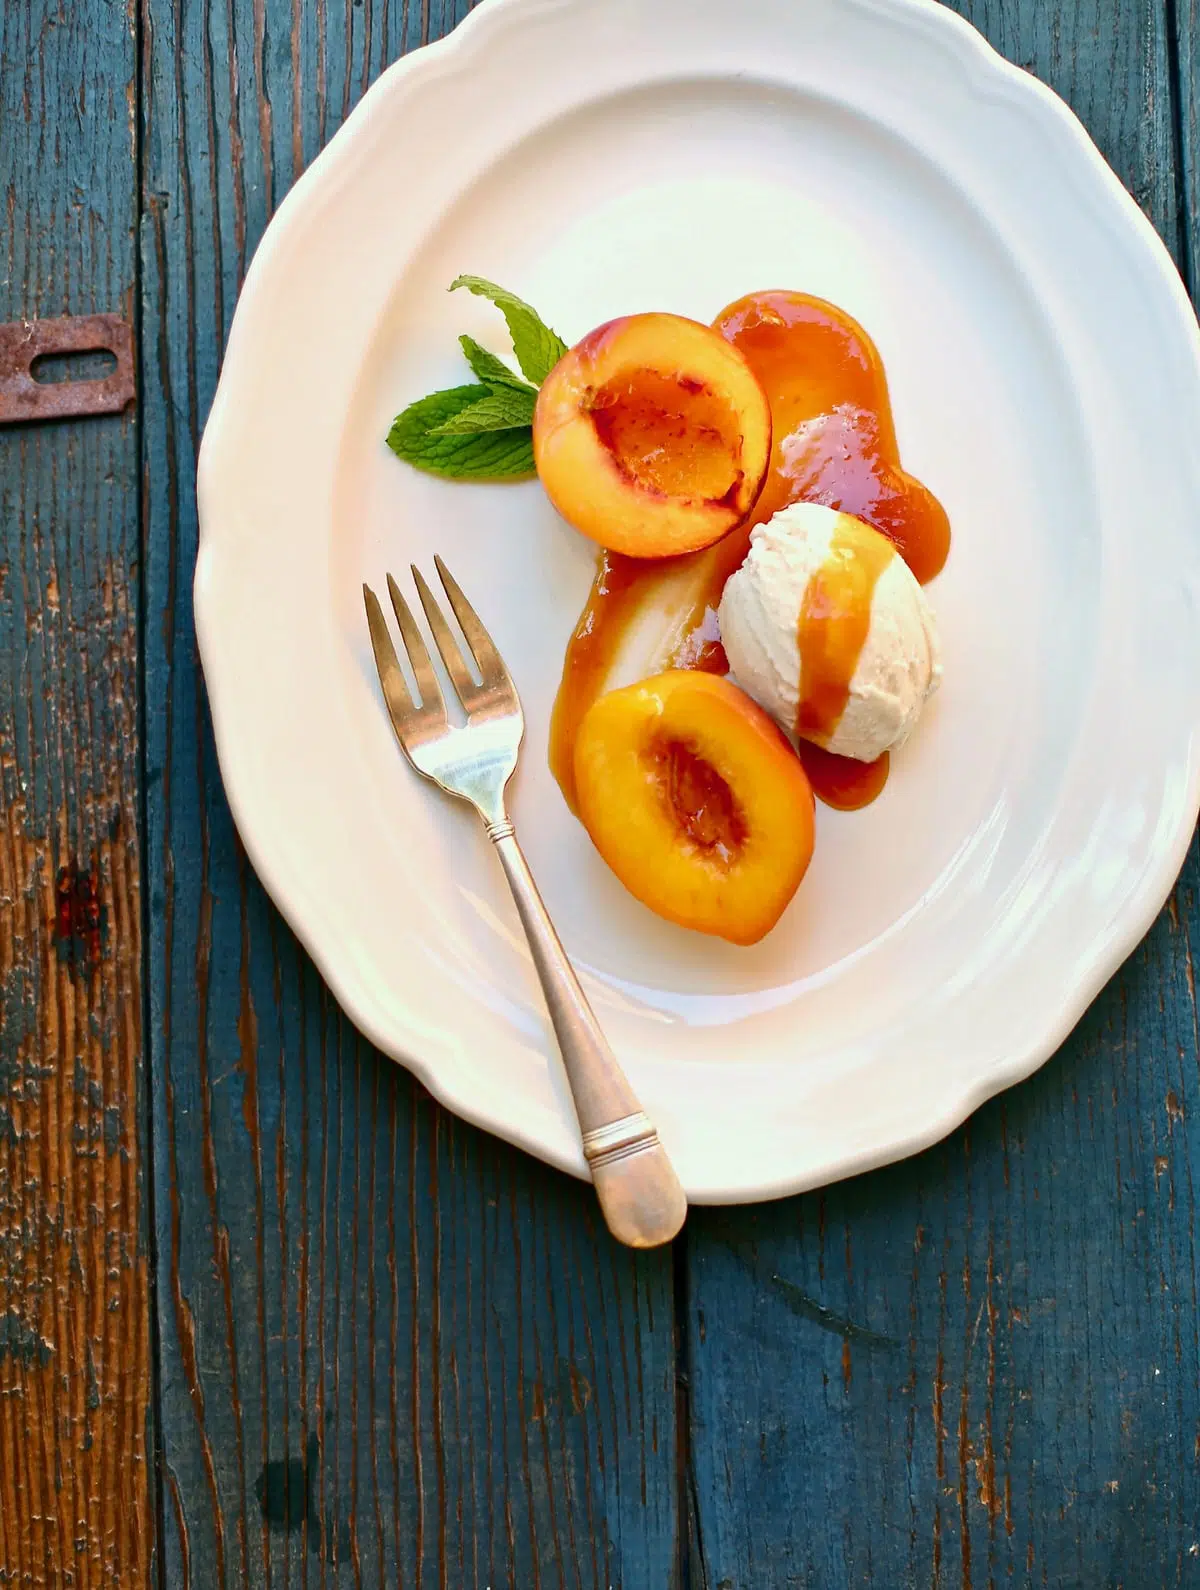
(74, 1292)
(982, 1367)
(1186, 15)
(393, 1350)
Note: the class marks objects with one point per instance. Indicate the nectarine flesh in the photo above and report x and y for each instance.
(652, 435)
(696, 801)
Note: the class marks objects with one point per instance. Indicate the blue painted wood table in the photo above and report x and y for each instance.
(268, 1316)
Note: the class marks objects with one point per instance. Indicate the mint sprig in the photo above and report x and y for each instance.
(489, 369)
(483, 431)
(419, 436)
(538, 349)
(504, 408)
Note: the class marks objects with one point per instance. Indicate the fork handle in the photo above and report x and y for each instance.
(639, 1192)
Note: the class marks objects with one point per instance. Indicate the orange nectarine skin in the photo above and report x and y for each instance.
(697, 802)
(652, 435)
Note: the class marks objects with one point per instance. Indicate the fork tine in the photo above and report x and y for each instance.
(418, 653)
(491, 664)
(395, 691)
(443, 635)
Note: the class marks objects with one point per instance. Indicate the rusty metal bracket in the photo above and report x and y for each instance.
(24, 398)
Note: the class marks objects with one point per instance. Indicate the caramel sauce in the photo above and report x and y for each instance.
(834, 443)
(833, 438)
(623, 588)
(840, 781)
(612, 602)
(835, 615)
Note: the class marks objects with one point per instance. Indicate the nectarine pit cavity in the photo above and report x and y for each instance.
(699, 799)
(670, 434)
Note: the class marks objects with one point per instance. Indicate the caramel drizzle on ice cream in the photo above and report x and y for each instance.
(831, 632)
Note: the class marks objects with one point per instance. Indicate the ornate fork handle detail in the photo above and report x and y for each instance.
(636, 1184)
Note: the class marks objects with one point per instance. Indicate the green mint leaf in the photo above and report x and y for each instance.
(478, 455)
(498, 410)
(490, 370)
(538, 349)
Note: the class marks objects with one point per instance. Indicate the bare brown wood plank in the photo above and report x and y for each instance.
(981, 1367)
(74, 1308)
(395, 1351)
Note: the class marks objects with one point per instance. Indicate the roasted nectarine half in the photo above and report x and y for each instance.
(696, 801)
(652, 436)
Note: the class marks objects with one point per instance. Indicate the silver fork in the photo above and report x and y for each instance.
(636, 1184)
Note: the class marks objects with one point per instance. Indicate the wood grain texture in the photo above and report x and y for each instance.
(982, 1367)
(1186, 17)
(74, 1291)
(393, 1350)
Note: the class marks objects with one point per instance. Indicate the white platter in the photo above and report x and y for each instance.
(606, 156)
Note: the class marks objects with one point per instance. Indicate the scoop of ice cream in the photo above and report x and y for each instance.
(826, 627)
